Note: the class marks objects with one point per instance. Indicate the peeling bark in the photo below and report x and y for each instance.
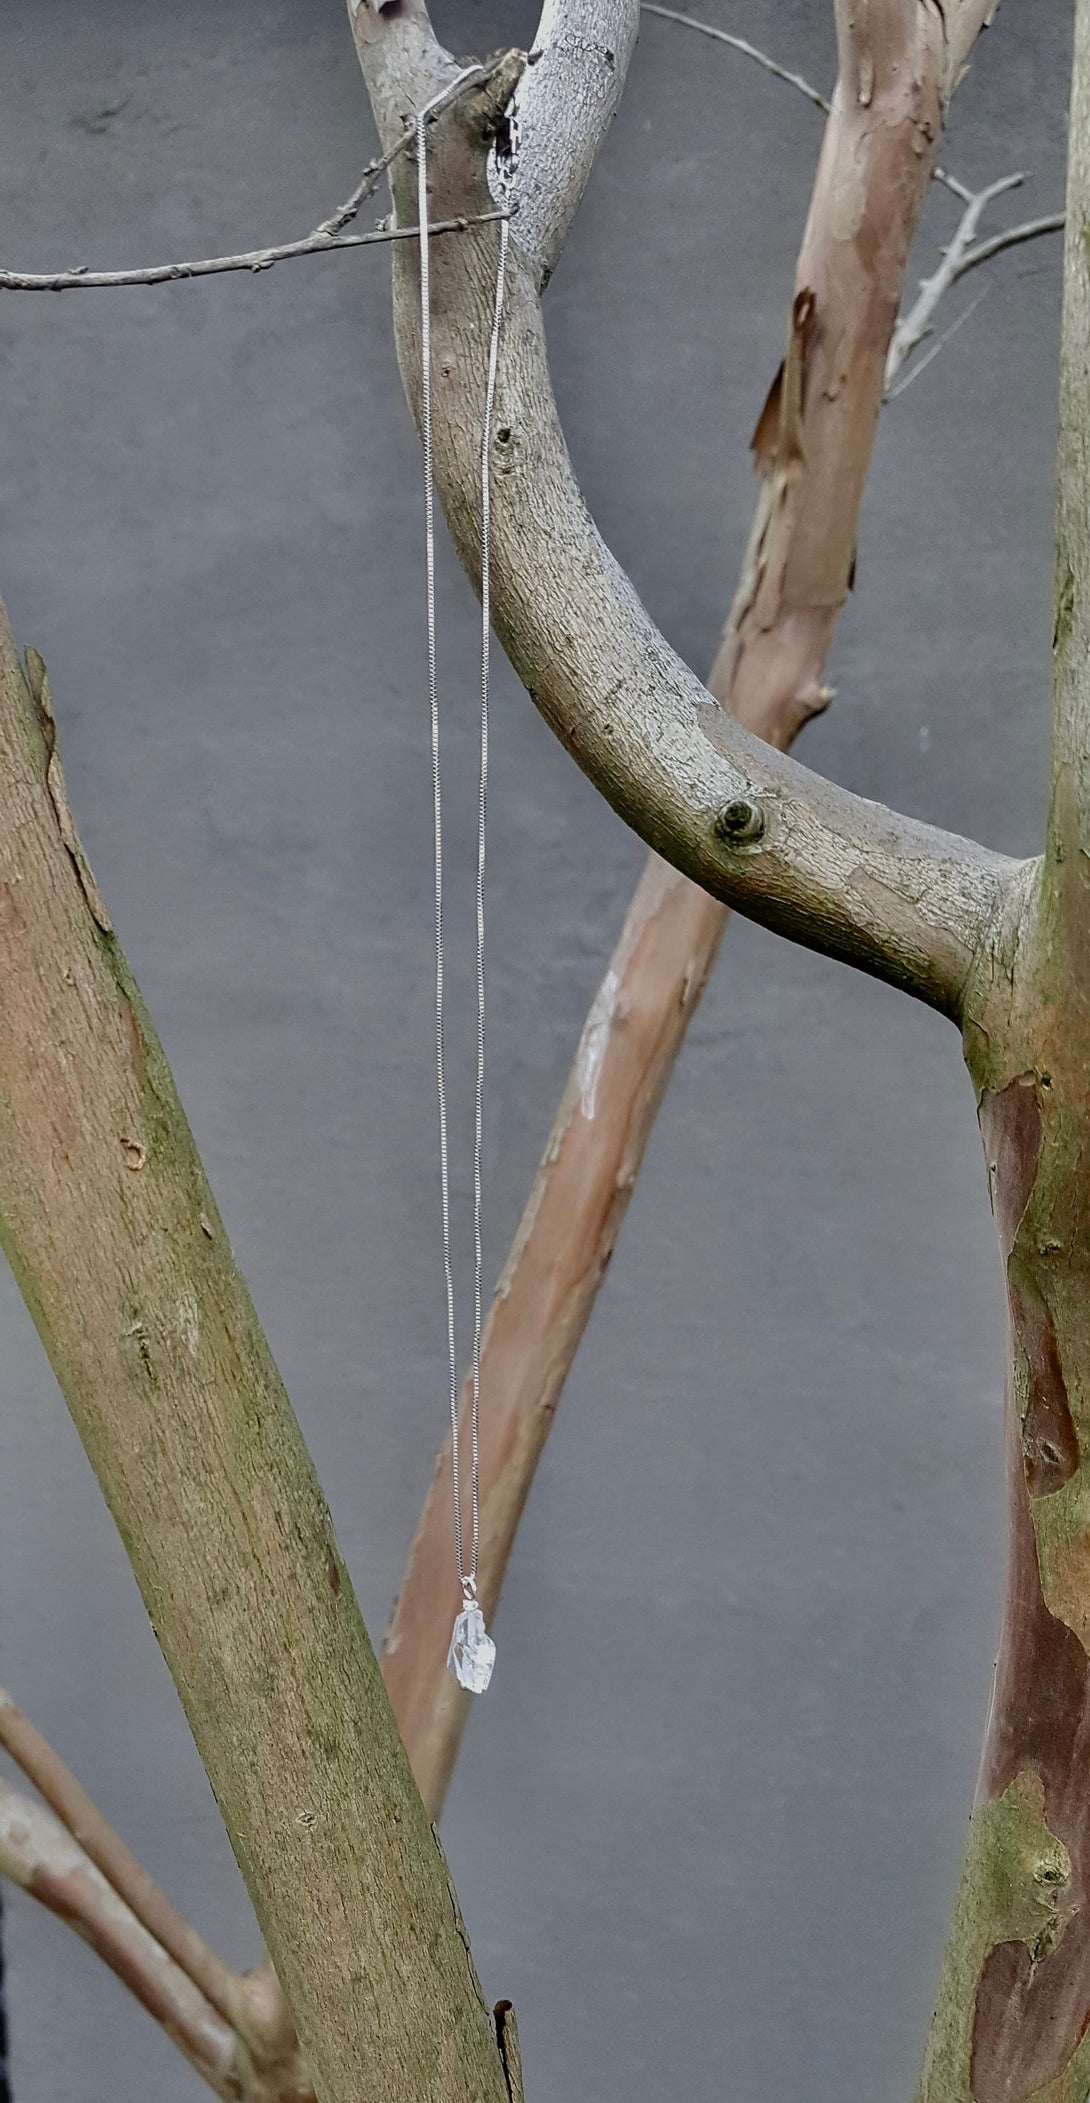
(877, 159)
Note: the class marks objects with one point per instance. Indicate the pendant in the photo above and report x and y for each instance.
(472, 1651)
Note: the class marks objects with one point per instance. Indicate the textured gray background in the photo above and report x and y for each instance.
(707, 1825)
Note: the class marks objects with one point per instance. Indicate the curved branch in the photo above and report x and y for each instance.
(569, 1225)
(565, 105)
(38, 1853)
(897, 898)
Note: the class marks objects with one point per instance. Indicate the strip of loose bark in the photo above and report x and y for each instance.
(114, 1238)
(879, 151)
(37, 1852)
(628, 1048)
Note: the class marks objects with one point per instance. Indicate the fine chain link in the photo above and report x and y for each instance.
(466, 1578)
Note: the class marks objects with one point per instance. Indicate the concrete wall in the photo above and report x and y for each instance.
(707, 1823)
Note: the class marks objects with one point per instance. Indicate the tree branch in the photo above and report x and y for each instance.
(114, 1239)
(329, 234)
(548, 1287)
(256, 259)
(747, 50)
(965, 19)
(896, 898)
(629, 1044)
(794, 80)
(961, 256)
(564, 105)
(107, 1851)
(38, 1853)
(1012, 237)
(267, 2063)
(879, 150)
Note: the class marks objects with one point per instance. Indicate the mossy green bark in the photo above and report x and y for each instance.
(1014, 1874)
(113, 1234)
(1011, 2022)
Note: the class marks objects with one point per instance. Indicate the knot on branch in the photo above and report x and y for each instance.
(739, 823)
(484, 110)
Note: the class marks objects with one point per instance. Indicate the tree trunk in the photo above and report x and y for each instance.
(1012, 2024)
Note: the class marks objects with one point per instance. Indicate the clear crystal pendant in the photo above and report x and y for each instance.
(472, 1652)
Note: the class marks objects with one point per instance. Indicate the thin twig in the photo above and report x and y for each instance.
(748, 50)
(315, 244)
(771, 65)
(938, 345)
(915, 325)
(328, 234)
(959, 257)
(1011, 237)
(67, 1797)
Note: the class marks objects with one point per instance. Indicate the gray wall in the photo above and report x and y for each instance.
(707, 1823)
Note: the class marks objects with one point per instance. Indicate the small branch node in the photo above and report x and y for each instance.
(739, 823)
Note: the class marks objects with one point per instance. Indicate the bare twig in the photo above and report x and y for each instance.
(748, 50)
(1011, 237)
(316, 244)
(915, 325)
(958, 259)
(266, 2060)
(67, 1797)
(772, 65)
(327, 235)
(40, 1854)
(939, 344)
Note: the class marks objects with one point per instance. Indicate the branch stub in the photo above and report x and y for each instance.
(739, 823)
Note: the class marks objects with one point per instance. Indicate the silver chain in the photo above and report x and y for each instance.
(467, 1578)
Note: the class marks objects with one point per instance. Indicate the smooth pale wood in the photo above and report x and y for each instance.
(112, 1232)
(831, 870)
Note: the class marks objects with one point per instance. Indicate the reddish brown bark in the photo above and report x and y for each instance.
(813, 440)
(1032, 2003)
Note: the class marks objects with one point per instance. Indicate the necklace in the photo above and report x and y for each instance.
(472, 1652)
